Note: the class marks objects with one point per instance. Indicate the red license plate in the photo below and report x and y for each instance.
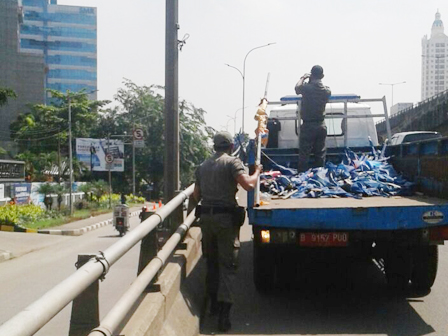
(324, 239)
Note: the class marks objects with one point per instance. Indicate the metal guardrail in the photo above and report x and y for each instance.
(40, 312)
(117, 314)
(414, 106)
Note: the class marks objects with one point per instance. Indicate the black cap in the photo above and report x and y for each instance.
(317, 71)
(222, 139)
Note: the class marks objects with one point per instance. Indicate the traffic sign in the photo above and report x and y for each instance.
(109, 158)
(139, 143)
(138, 134)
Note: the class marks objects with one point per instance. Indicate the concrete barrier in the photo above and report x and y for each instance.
(175, 309)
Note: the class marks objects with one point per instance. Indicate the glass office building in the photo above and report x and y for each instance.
(67, 38)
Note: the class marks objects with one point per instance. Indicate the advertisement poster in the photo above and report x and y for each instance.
(93, 153)
(36, 198)
(22, 193)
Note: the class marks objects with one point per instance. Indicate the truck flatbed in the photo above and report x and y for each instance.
(365, 202)
(368, 213)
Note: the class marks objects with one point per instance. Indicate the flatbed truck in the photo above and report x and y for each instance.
(401, 233)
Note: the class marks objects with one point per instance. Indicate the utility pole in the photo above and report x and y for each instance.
(133, 161)
(70, 156)
(59, 157)
(110, 175)
(171, 161)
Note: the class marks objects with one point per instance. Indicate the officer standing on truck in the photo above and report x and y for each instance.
(313, 131)
(216, 185)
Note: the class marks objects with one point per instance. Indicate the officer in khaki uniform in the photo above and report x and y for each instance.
(313, 131)
(216, 185)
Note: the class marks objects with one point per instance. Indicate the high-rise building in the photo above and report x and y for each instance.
(66, 36)
(20, 71)
(399, 107)
(435, 60)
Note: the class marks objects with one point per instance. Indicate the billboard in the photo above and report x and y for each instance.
(94, 152)
(22, 193)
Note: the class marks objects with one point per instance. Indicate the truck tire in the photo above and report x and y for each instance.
(264, 270)
(425, 264)
(398, 267)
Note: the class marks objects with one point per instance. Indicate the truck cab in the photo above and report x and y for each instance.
(353, 131)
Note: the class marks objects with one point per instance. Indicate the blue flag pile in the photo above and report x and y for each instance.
(367, 175)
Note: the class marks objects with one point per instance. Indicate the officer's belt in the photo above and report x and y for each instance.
(216, 210)
(314, 121)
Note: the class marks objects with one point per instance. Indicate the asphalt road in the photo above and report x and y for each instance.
(335, 298)
(25, 279)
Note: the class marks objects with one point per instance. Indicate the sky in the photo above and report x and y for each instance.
(359, 43)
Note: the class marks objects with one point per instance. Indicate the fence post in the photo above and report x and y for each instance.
(85, 310)
(177, 217)
(148, 246)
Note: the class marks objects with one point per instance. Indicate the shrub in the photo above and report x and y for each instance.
(82, 204)
(104, 200)
(134, 199)
(20, 214)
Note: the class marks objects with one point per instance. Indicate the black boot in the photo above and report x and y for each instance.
(215, 306)
(224, 317)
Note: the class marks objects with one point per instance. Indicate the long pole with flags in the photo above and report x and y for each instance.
(263, 106)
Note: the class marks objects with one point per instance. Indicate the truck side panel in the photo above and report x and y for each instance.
(374, 218)
(425, 163)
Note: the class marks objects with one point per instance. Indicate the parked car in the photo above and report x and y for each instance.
(402, 137)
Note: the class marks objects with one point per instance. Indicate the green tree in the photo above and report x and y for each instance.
(60, 190)
(47, 189)
(143, 106)
(5, 94)
(45, 130)
(99, 188)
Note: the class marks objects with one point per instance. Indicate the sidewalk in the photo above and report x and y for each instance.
(15, 244)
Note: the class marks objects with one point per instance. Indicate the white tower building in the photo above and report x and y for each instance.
(434, 60)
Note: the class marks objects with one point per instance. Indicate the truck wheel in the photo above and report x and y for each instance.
(425, 263)
(398, 267)
(264, 269)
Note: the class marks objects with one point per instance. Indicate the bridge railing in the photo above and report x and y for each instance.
(403, 113)
(85, 280)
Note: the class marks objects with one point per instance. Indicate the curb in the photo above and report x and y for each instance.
(71, 232)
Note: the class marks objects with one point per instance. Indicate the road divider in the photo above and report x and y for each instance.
(63, 232)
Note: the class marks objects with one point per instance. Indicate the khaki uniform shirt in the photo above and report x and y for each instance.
(216, 178)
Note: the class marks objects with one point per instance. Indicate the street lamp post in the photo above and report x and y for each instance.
(392, 86)
(227, 124)
(243, 75)
(234, 119)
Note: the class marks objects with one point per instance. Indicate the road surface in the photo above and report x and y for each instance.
(25, 279)
(335, 298)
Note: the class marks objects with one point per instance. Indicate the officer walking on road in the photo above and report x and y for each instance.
(313, 131)
(216, 185)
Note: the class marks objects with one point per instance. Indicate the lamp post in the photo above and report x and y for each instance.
(227, 124)
(243, 75)
(234, 119)
(392, 86)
